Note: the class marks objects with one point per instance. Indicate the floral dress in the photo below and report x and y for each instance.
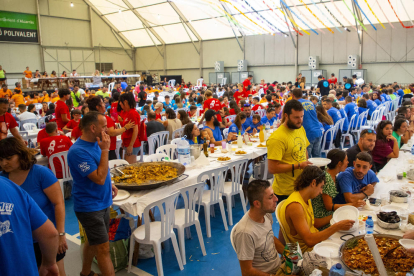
(319, 208)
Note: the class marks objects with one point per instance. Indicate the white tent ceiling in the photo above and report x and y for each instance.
(145, 22)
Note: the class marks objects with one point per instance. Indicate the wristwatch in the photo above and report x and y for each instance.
(62, 234)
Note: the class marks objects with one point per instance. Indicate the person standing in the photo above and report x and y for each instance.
(333, 79)
(76, 95)
(27, 76)
(323, 86)
(62, 110)
(310, 123)
(246, 85)
(287, 154)
(2, 75)
(130, 140)
(92, 190)
(22, 221)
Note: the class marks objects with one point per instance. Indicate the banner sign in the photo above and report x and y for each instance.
(18, 27)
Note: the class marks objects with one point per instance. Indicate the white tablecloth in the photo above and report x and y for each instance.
(137, 202)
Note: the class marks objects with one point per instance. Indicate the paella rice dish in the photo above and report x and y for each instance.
(139, 175)
(357, 256)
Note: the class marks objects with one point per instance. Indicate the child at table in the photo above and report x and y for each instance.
(76, 116)
(255, 125)
(204, 137)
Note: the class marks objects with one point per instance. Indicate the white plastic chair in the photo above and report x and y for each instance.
(371, 124)
(348, 134)
(29, 121)
(261, 112)
(330, 132)
(63, 159)
(278, 207)
(117, 162)
(213, 196)
(175, 141)
(199, 83)
(171, 83)
(154, 233)
(68, 134)
(170, 150)
(29, 126)
(157, 139)
(233, 187)
(189, 216)
(157, 157)
(111, 86)
(178, 133)
(41, 122)
(361, 118)
(225, 133)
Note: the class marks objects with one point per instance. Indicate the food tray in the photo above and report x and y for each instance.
(344, 244)
(151, 184)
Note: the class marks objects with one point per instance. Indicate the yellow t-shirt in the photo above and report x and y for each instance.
(43, 99)
(289, 147)
(55, 99)
(309, 216)
(18, 99)
(263, 100)
(28, 74)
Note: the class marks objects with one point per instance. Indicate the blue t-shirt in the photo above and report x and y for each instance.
(265, 120)
(256, 126)
(346, 123)
(400, 93)
(124, 85)
(216, 133)
(378, 102)
(351, 109)
(348, 183)
(371, 106)
(83, 159)
(335, 114)
(19, 217)
(233, 128)
(247, 123)
(310, 120)
(39, 179)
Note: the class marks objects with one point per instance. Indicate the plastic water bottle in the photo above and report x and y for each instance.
(267, 126)
(183, 150)
(369, 225)
(412, 150)
(337, 270)
(274, 124)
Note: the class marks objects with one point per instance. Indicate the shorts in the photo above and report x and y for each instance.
(3, 79)
(96, 225)
(112, 155)
(27, 78)
(38, 254)
(135, 151)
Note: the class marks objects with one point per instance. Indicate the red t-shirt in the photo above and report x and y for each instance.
(131, 115)
(72, 124)
(75, 134)
(114, 112)
(246, 83)
(61, 108)
(333, 81)
(7, 122)
(111, 123)
(213, 104)
(158, 116)
(43, 134)
(52, 145)
(232, 112)
(238, 96)
(257, 107)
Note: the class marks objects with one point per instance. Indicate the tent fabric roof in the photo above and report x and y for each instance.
(177, 21)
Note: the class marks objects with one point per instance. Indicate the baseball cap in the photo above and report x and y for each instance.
(158, 105)
(209, 114)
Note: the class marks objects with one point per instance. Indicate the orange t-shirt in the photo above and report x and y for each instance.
(43, 99)
(55, 99)
(3, 94)
(19, 89)
(28, 74)
(18, 99)
(31, 101)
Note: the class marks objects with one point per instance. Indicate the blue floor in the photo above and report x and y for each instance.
(220, 259)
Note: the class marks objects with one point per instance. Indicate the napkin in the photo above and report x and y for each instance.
(202, 161)
(367, 206)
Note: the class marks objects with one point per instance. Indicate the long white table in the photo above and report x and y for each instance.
(137, 202)
(86, 77)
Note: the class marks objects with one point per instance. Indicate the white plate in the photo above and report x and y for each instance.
(224, 161)
(239, 154)
(391, 208)
(122, 194)
(320, 162)
(406, 243)
(324, 248)
(346, 212)
(352, 230)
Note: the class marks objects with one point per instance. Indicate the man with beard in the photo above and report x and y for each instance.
(92, 190)
(254, 242)
(286, 150)
(212, 126)
(366, 143)
(249, 118)
(358, 182)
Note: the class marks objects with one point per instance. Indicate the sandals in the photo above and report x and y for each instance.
(91, 274)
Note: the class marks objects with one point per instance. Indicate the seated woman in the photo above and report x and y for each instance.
(401, 132)
(172, 123)
(194, 135)
(183, 117)
(362, 107)
(327, 123)
(323, 204)
(386, 145)
(296, 213)
(237, 125)
(18, 165)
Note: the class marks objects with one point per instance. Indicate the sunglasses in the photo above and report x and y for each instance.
(371, 131)
(246, 105)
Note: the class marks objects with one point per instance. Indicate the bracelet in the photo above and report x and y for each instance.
(366, 196)
(105, 150)
(62, 234)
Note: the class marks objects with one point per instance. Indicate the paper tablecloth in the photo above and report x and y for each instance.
(137, 202)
